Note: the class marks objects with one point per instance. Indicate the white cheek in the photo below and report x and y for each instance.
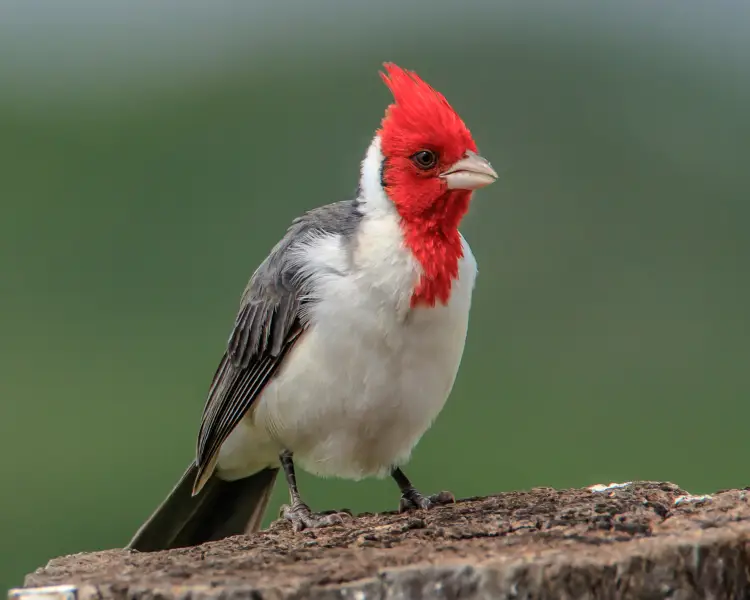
(374, 199)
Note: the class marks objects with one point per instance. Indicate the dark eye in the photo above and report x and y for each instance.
(425, 159)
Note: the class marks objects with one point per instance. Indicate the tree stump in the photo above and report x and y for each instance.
(634, 540)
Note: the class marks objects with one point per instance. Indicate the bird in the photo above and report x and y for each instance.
(348, 336)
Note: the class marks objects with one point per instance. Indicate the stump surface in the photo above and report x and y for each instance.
(634, 541)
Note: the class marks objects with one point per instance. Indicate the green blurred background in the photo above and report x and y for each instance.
(152, 153)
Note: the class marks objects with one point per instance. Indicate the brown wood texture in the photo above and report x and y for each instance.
(641, 540)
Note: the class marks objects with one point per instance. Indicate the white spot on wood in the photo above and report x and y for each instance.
(52, 592)
(600, 487)
(690, 499)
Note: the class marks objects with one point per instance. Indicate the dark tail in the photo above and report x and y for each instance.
(221, 509)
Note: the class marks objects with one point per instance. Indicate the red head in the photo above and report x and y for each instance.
(430, 170)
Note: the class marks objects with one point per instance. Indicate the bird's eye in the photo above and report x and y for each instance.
(425, 159)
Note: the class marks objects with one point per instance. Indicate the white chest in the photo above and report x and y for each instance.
(370, 374)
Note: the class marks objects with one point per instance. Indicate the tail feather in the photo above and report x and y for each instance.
(221, 509)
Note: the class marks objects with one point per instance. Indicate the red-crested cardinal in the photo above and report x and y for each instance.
(349, 334)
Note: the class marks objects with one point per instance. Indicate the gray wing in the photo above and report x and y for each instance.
(270, 321)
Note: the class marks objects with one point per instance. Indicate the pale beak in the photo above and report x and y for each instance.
(470, 173)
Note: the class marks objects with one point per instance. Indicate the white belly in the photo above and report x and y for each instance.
(361, 386)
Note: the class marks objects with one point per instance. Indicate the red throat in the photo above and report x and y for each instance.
(435, 242)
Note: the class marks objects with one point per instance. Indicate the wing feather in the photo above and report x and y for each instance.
(271, 319)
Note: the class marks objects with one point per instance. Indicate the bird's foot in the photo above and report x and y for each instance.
(301, 517)
(412, 499)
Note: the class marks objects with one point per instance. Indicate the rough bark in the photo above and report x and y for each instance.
(637, 541)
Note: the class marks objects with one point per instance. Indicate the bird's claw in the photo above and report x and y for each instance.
(412, 500)
(301, 517)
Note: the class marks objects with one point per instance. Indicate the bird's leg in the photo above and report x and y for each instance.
(298, 513)
(411, 498)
